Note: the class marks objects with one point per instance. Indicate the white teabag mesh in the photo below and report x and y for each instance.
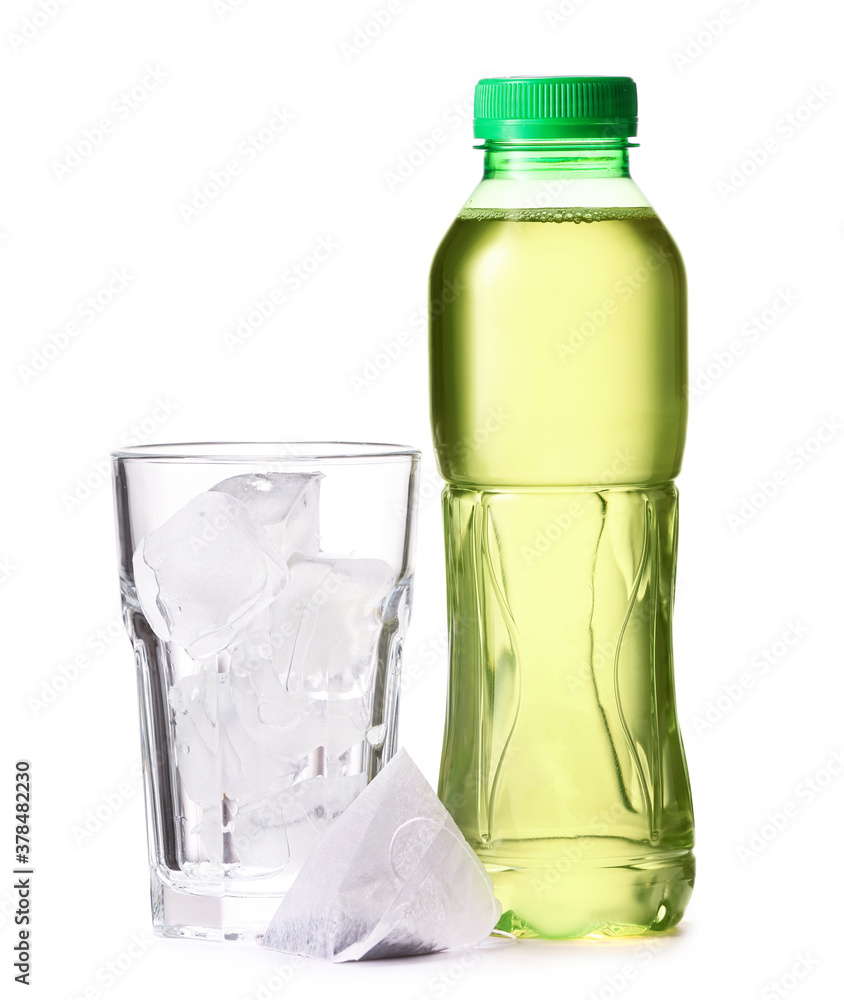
(391, 876)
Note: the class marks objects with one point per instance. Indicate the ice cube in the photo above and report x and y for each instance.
(217, 752)
(312, 804)
(269, 832)
(259, 832)
(206, 572)
(321, 800)
(329, 622)
(275, 721)
(392, 875)
(285, 504)
(214, 830)
(197, 736)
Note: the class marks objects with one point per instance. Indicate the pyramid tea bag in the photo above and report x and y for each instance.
(391, 876)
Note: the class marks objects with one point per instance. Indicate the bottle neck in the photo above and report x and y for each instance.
(561, 159)
(554, 174)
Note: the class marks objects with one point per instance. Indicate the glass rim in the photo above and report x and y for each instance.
(229, 452)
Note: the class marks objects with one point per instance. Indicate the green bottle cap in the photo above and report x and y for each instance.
(514, 108)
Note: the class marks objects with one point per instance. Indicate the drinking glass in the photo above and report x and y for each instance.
(266, 589)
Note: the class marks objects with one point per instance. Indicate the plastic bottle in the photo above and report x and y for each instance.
(558, 373)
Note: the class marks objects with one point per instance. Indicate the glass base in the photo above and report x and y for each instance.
(180, 914)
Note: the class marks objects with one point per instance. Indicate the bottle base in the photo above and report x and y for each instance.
(576, 900)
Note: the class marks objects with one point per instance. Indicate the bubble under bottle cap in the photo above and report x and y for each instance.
(519, 108)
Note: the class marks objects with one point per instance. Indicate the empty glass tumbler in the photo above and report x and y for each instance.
(266, 590)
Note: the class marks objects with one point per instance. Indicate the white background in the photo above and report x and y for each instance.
(757, 910)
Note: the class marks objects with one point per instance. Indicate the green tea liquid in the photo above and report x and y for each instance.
(558, 369)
